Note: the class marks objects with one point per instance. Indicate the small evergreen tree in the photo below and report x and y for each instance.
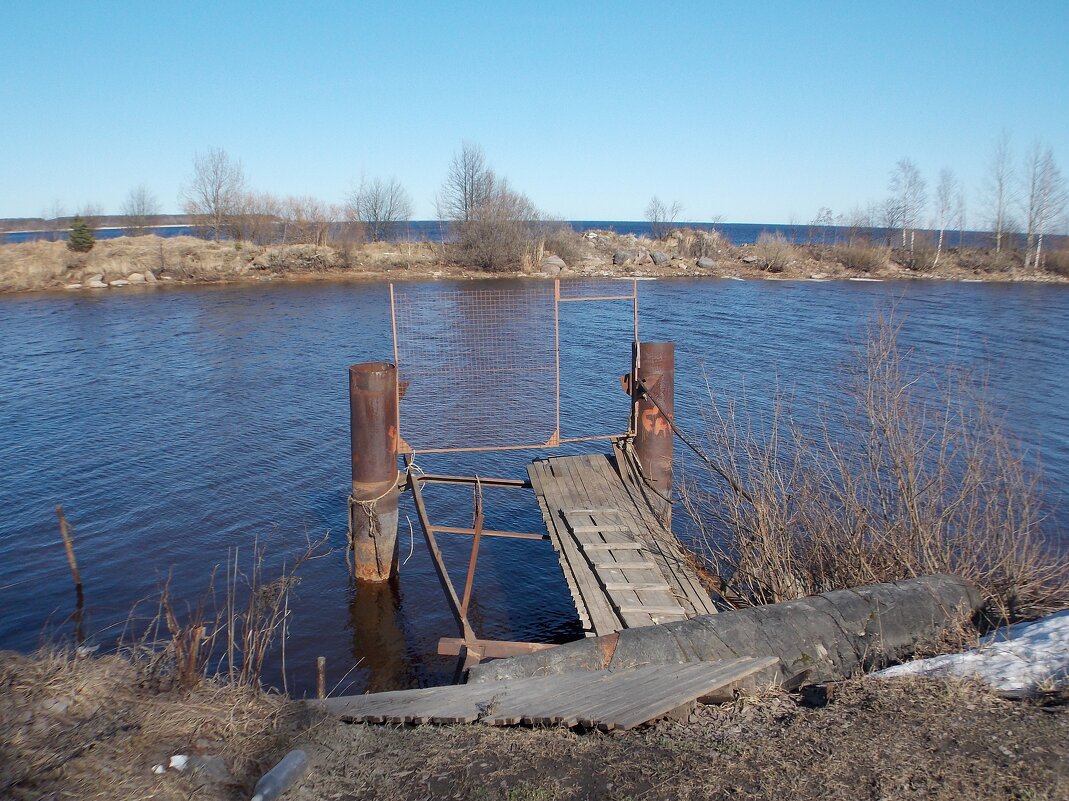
(80, 239)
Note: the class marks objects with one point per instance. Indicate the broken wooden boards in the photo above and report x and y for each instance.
(600, 699)
(624, 569)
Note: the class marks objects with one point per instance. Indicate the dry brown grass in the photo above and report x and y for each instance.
(94, 727)
(916, 475)
(875, 740)
(561, 240)
(773, 252)
(693, 244)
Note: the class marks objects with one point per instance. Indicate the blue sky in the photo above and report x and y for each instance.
(754, 112)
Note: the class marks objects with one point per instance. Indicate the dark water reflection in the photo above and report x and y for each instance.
(175, 425)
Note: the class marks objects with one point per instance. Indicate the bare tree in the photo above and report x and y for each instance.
(306, 220)
(891, 214)
(469, 184)
(92, 214)
(381, 207)
(257, 218)
(213, 194)
(998, 188)
(54, 215)
(947, 193)
(821, 225)
(140, 209)
(662, 218)
(909, 195)
(1045, 198)
(960, 212)
(504, 230)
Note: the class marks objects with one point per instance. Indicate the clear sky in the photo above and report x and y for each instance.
(753, 112)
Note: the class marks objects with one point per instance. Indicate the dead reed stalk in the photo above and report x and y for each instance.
(911, 473)
(232, 641)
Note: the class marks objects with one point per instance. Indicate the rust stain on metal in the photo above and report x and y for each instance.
(607, 646)
(373, 440)
(653, 435)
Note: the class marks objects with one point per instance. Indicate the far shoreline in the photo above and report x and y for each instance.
(134, 263)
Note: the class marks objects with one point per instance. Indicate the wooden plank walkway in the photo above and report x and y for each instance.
(622, 566)
(600, 699)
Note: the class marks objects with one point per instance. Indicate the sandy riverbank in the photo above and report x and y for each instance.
(132, 262)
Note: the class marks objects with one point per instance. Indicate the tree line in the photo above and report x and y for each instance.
(1022, 202)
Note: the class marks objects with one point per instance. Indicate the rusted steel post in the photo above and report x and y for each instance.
(653, 431)
(373, 503)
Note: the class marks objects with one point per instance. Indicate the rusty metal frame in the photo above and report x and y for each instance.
(556, 438)
(470, 647)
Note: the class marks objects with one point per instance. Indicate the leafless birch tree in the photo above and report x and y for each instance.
(213, 194)
(140, 208)
(1045, 198)
(909, 195)
(946, 194)
(998, 188)
(469, 184)
(381, 207)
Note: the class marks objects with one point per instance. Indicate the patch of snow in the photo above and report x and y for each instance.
(1016, 661)
(179, 761)
(159, 769)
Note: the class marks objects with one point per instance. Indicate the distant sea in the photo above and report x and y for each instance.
(434, 231)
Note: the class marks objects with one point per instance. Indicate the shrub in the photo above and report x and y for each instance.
(503, 231)
(916, 476)
(1057, 262)
(692, 244)
(773, 252)
(860, 255)
(80, 239)
(563, 241)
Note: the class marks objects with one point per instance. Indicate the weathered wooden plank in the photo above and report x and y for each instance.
(688, 688)
(667, 546)
(603, 618)
(539, 475)
(667, 609)
(612, 546)
(598, 527)
(605, 699)
(628, 585)
(577, 598)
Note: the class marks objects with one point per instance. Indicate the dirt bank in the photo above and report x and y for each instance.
(95, 728)
(130, 262)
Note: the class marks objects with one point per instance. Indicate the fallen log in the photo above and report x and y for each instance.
(822, 638)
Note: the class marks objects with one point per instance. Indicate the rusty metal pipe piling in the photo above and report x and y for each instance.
(653, 431)
(373, 502)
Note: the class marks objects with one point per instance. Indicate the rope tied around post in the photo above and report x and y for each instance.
(368, 508)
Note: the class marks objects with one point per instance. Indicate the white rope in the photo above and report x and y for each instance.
(411, 541)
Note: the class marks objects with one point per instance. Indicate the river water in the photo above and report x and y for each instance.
(175, 425)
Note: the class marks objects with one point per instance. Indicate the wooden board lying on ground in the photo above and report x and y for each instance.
(600, 699)
(623, 567)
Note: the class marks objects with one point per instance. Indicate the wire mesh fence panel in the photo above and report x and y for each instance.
(479, 369)
(595, 288)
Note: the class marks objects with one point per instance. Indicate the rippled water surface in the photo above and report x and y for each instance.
(174, 425)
